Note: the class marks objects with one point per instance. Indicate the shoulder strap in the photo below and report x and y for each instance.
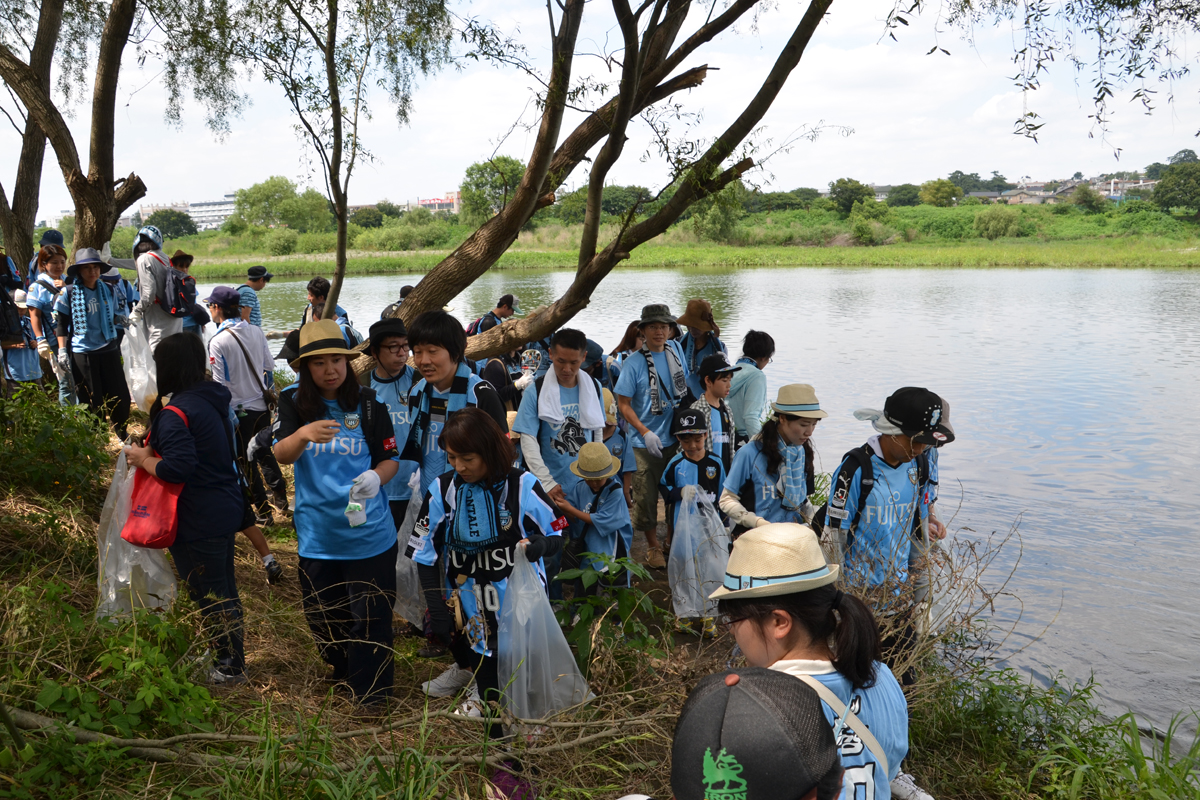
(537, 385)
(862, 455)
(178, 411)
(849, 719)
(245, 353)
(50, 287)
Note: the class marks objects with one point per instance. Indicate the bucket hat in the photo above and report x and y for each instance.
(798, 400)
(322, 337)
(656, 312)
(778, 558)
(594, 462)
(911, 411)
(390, 326)
(754, 734)
(84, 255)
(698, 315)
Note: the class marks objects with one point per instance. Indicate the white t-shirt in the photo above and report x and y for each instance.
(244, 379)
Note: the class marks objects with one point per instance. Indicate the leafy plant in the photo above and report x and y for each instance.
(282, 241)
(61, 447)
(994, 222)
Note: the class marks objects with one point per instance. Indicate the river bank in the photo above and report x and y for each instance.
(1107, 253)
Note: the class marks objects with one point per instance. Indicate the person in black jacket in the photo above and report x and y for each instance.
(191, 442)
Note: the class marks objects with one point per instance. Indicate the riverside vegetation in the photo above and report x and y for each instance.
(116, 709)
(1135, 234)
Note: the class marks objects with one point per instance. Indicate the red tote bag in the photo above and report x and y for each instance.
(154, 507)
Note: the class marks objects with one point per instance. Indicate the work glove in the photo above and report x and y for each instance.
(653, 443)
(135, 317)
(687, 494)
(64, 361)
(106, 253)
(44, 350)
(523, 381)
(365, 486)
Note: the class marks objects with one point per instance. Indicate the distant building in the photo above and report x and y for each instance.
(210, 214)
(452, 202)
(1024, 197)
(987, 197)
(881, 192)
(54, 220)
(147, 210)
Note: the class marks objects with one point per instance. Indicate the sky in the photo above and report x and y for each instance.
(895, 115)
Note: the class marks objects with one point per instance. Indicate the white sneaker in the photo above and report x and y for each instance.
(473, 705)
(449, 682)
(905, 788)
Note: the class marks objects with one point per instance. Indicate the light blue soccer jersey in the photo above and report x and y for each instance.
(634, 383)
(610, 519)
(43, 300)
(394, 394)
(92, 338)
(750, 481)
(618, 444)
(694, 356)
(559, 444)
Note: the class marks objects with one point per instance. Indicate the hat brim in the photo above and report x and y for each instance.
(73, 270)
(940, 435)
(799, 411)
(776, 589)
(695, 322)
(324, 351)
(698, 431)
(613, 468)
(666, 320)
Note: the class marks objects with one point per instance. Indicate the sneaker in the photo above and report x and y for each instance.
(654, 558)
(274, 572)
(218, 677)
(433, 649)
(709, 628)
(473, 705)
(449, 682)
(905, 788)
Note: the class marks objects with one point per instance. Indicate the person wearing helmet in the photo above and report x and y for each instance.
(151, 265)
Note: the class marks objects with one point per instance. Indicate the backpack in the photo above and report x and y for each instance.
(473, 328)
(176, 290)
(10, 320)
(839, 487)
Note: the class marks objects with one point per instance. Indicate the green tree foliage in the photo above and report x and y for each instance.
(136, 219)
(971, 182)
(1155, 170)
(172, 223)
(66, 226)
(282, 241)
(1178, 188)
(418, 216)
(845, 192)
(906, 194)
(617, 200)
(755, 202)
(1089, 199)
(1184, 156)
(487, 186)
(940, 192)
(716, 218)
(870, 209)
(276, 201)
(389, 209)
(996, 221)
(367, 217)
(1078, 176)
(308, 212)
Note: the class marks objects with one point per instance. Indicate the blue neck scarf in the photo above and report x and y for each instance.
(460, 397)
(476, 518)
(795, 485)
(79, 299)
(689, 349)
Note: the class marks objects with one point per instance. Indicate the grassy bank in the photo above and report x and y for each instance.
(121, 710)
(1131, 252)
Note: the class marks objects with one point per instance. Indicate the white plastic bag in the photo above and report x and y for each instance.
(410, 599)
(699, 555)
(137, 359)
(129, 576)
(536, 664)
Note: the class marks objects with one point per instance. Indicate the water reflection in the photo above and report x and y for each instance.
(1073, 391)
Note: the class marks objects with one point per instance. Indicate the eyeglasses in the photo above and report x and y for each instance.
(394, 349)
(727, 621)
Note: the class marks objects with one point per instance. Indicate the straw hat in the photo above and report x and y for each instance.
(699, 315)
(322, 337)
(779, 558)
(799, 400)
(512, 419)
(610, 407)
(595, 462)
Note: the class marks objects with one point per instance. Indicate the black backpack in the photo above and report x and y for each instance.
(473, 328)
(839, 488)
(176, 290)
(10, 320)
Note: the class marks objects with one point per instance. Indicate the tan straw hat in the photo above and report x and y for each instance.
(699, 315)
(610, 407)
(799, 400)
(322, 337)
(780, 558)
(512, 419)
(595, 462)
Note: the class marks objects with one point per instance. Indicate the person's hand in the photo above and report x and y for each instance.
(44, 350)
(320, 432)
(106, 253)
(137, 456)
(135, 317)
(365, 486)
(687, 494)
(64, 361)
(762, 522)
(523, 381)
(937, 530)
(558, 496)
(653, 443)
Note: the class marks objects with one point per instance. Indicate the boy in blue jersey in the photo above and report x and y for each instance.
(616, 439)
(652, 384)
(392, 379)
(716, 376)
(596, 506)
(693, 466)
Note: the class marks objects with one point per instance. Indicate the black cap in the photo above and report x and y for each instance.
(754, 734)
(917, 412)
(391, 326)
(291, 347)
(688, 420)
(254, 273)
(716, 364)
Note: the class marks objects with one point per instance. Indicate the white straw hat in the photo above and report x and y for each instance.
(780, 558)
(799, 400)
(594, 462)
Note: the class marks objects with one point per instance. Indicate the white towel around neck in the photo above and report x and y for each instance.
(591, 412)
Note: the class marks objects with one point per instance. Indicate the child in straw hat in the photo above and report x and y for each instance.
(616, 439)
(596, 507)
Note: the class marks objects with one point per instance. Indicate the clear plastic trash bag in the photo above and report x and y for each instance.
(410, 599)
(137, 359)
(699, 555)
(537, 670)
(129, 576)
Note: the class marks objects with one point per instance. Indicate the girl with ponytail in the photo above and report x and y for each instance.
(781, 604)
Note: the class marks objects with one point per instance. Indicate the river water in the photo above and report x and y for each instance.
(1074, 397)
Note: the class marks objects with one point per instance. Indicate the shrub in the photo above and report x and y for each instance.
(405, 237)
(870, 209)
(994, 222)
(61, 447)
(316, 242)
(1137, 207)
(282, 241)
(1089, 199)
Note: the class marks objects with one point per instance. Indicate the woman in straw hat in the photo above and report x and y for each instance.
(781, 604)
(341, 441)
(773, 475)
(703, 338)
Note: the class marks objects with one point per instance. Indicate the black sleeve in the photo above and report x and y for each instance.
(496, 374)
(541, 546)
(382, 444)
(62, 324)
(488, 401)
(287, 420)
(431, 585)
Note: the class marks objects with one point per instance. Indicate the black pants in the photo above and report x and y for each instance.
(206, 565)
(348, 605)
(264, 465)
(897, 647)
(105, 381)
(487, 674)
(399, 509)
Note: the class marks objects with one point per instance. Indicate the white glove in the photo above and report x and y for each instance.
(64, 361)
(365, 486)
(135, 317)
(106, 253)
(653, 444)
(523, 381)
(762, 522)
(44, 350)
(687, 494)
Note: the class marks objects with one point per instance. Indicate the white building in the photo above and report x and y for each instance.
(211, 214)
